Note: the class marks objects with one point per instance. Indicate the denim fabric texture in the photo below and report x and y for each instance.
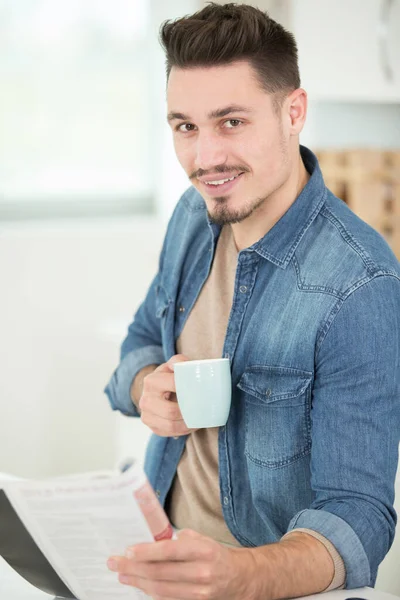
(313, 340)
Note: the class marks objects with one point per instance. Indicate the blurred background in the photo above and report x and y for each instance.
(88, 179)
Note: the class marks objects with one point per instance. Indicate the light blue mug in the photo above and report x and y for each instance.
(204, 390)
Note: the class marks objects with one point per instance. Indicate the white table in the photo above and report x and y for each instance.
(13, 587)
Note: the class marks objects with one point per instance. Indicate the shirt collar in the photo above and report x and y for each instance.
(280, 243)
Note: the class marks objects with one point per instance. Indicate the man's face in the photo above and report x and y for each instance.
(228, 138)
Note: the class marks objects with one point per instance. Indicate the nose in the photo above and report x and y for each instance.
(210, 151)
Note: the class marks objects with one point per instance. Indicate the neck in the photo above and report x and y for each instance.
(252, 229)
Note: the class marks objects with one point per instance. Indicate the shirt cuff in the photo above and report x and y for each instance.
(343, 537)
(118, 389)
(339, 573)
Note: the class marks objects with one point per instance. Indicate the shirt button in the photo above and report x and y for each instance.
(268, 393)
(226, 501)
(158, 493)
(243, 289)
(181, 309)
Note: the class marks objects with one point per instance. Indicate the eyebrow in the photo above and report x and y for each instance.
(214, 114)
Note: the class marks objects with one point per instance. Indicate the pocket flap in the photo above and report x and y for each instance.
(271, 384)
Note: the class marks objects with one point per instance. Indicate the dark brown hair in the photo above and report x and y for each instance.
(222, 34)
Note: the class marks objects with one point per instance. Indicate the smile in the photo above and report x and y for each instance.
(222, 181)
(217, 187)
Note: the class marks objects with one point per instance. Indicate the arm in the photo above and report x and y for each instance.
(142, 347)
(355, 429)
(143, 344)
(195, 566)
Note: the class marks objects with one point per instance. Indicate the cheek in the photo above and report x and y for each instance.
(269, 155)
(184, 155)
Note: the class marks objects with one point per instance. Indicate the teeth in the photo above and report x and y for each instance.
(220, 181)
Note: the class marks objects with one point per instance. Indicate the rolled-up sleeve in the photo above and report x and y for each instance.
(119, 386)
(355, 428)
(343, 537)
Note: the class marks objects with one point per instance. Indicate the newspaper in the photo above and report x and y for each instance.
(59, 533)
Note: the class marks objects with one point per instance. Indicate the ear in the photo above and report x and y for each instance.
(296, 106)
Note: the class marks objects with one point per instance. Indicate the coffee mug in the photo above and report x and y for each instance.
(204, 390)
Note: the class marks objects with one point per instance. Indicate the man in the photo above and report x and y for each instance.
(262, 264)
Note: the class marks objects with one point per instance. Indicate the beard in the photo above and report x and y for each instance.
(222, 215)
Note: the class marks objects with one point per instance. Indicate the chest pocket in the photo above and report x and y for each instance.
(277, 414)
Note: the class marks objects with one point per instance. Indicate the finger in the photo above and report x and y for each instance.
(188, 572)
(164, 427)
(166, 409)
(161, 382)
(167, 367)
(173, 550)
(166, 589)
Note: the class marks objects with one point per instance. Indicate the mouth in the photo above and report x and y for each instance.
(218, 187)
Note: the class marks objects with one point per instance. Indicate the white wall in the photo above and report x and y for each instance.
(68, 292)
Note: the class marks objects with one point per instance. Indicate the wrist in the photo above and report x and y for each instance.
(250, 570)
(298, 565)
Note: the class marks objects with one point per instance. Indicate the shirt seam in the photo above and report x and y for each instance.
(338, 306)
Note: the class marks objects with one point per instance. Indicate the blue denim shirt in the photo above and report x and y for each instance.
(314, 343)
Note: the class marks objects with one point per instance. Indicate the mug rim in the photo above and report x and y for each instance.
(199, 361)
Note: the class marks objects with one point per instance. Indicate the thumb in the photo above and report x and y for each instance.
(175, 359)
(168, 367)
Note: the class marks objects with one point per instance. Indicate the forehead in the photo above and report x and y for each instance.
(203, 88)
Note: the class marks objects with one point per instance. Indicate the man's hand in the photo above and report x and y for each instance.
(158, 405)
(192, 567)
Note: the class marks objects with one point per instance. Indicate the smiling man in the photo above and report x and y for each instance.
(242, 157)
(262, 264)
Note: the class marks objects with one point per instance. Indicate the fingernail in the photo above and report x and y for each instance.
(112, 564)
(124, 578)
(130, 553)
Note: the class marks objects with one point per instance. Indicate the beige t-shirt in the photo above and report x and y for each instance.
(194, 500)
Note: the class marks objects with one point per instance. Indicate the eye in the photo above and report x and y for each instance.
(232, 123)
(185, 127)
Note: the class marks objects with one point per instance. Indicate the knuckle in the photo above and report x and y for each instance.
(205, 575)
(208, 553)
(172, 412)
(147, 379)
(151, 571)
(143, 402)
(161, 432)
(170, 429)
(158, 589)
(202, 593)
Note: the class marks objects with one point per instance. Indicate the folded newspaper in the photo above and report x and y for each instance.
(58, 533)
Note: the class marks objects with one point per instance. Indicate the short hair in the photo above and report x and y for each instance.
(223, 34)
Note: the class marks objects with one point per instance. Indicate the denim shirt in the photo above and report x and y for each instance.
(314, 343)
